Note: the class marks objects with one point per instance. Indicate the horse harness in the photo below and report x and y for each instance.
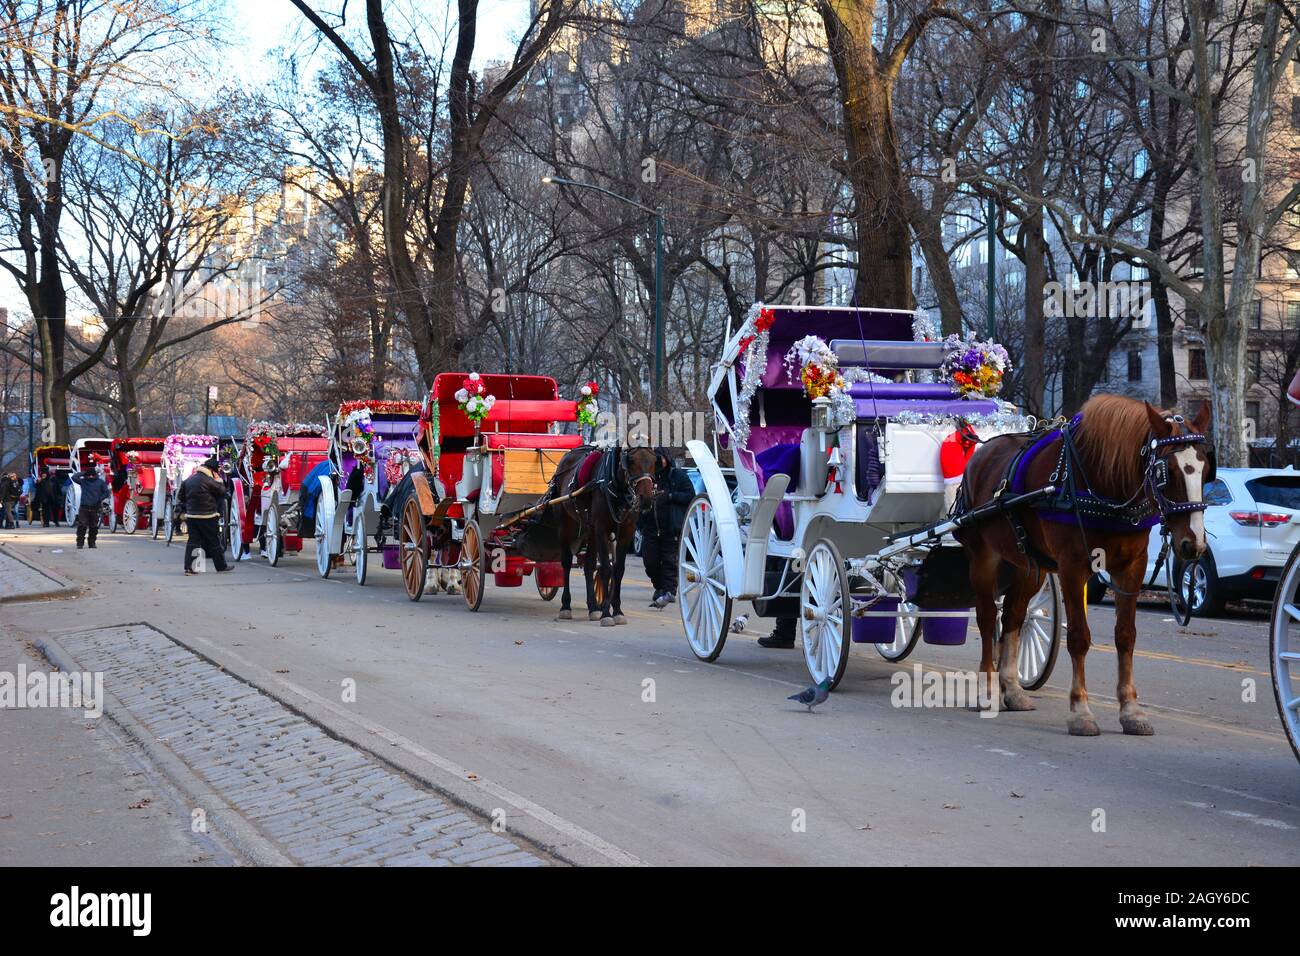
(1074, 501)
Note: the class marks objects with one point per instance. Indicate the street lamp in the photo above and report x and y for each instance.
(656, 386)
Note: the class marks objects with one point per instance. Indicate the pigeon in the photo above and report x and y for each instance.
(738, 625)
(813, 696)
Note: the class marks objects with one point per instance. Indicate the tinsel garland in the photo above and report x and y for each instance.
(381, 407)
(924, 329)
(1004, 420)
(178, 449)
(46, 450)
(259, 429)
(754, 355)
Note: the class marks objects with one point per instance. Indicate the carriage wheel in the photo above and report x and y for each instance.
(907, 632)
(112, 521)
(547, 594)
(156, 523)
(130, 517)
(324, 560)
(414, 547)
(360, 555)
(824, 614)
(1284, 649)
(271, 529)
(236, 533)
(705, 605)
(473, 565)
(1040, 635)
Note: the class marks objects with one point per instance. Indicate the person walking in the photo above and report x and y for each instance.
(661, 527)
(94, 492)
(200, 498)
(47, 497)
(10, 491)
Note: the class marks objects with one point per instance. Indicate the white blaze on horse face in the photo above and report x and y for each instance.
(1193, 470)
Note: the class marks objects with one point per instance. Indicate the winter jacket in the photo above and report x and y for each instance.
(9, 489)
(674, 493)
(202, 495)
(94, 490)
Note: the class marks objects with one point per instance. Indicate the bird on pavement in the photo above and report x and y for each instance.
(813, 696)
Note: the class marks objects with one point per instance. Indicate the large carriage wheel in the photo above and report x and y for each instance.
(1040, 635)
(130, 517)
(360, 556)
(112, 520)
(473, 565)
(169, 522)
(236, 529)
(907, 632)
(547, 594)
(157, 521)
(271, 530)
(414, 546)
(705, 605)
(1284, 648)
(824, 614)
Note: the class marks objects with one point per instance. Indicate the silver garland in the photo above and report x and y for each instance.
(755, 358)
(1004, 420)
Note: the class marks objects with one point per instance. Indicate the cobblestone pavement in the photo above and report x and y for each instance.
(18, 579)
(319, 800)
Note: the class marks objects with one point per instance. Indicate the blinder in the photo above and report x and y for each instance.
(1157, 472)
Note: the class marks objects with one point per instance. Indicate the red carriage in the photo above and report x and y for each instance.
(463, 523)
(87, 452)
(267, 493)
(58, 459)
(133, 468)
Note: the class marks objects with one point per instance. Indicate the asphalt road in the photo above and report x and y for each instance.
(556, 722)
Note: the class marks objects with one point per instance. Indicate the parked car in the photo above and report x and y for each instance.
(1251, 526)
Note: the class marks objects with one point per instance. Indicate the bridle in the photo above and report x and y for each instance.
(620, 504)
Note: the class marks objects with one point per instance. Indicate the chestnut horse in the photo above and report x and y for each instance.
(1126, 466)
(600, 521)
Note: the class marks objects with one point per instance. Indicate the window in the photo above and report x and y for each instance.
(1214, 53)
(1134, 365)
(1256, 314)
(1217, 493)
(1252, 414)
(1252, 367)
(1196, 368)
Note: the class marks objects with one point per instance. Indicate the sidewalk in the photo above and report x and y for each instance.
(74, 791)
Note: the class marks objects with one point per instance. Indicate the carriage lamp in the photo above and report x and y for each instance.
(821, 414)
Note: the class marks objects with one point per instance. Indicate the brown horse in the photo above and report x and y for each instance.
(1153, 464)
(600, 521)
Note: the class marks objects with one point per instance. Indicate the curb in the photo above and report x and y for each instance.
(245, 838)
(65, 589)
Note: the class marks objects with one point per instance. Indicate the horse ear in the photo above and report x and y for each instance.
(1159, 427)
(1201, 423)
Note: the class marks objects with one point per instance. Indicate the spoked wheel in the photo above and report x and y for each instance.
(1284, 649)
(271, 528)
(112, 521)
(907, 632)
(324, 528)
(414, 548)
(360, 556)
(824, 614)
(157, 523)
(130, 517)
(1040, 635)
(703, 599)
(473, 565)
(547, 594)
(1176, 580)
(236, 535)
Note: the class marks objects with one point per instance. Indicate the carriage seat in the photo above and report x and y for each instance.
(884, 400)
(451, 465)
(889, 356)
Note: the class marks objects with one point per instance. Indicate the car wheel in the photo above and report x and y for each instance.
(1200, 582)
(1095, 590)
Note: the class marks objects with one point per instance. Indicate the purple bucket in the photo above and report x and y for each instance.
(876, 630)
(393, 557)
(949, 631)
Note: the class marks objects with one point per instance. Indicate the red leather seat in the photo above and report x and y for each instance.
(530, 440)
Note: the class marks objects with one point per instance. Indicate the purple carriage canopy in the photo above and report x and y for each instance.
(386, 429)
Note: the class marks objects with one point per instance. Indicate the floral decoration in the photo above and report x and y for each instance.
(974, 369)
(473, 398)
(587, 407)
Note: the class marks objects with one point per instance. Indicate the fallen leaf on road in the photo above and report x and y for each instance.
(952, 806)
(282, 670)
(143, 804)
(519, 643)
(1018, 796)
(865, 826)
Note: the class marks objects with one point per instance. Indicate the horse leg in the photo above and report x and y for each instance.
(607, 578)
(1132, 717)
(566, 562)
(616, 600)
(589, 571)
(984, 580)
(1014, 606)
(1074, 578)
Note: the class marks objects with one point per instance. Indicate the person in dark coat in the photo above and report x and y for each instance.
(47, 497)
(11, 490)
(661, 527)
(201, 496)
(94, 492)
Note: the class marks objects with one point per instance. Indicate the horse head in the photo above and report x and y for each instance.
(1179, 466)
(639, 466)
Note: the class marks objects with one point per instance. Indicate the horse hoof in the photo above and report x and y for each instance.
(565, 615)
(1018, 701)
(620, 619)
(593, 615)
(1083, 726)
(607, 622)
(1137, 726)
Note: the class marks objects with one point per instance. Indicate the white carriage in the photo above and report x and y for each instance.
(88, 451)
(842, 515)
(181, 455)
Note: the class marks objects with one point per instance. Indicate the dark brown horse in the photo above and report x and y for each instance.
(1153, 463)
(600, 521)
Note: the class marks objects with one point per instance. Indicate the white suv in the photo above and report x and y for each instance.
(1251, 526)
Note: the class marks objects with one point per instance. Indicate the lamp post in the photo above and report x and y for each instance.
(656, 384)
(31, 389)
(993, 273)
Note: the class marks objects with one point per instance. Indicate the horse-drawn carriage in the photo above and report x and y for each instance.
(85, 453)
(462, 517)
(267, 501)
(133, 465)
(841, 522)
(372, 448)
(181, 455)
(56, 458)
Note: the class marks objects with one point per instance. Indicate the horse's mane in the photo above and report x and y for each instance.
(1110, 437)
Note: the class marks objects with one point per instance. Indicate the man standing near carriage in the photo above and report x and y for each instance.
(661, 527)
(10, 491)
(94, 492)
(200, 498)
(47, 496)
